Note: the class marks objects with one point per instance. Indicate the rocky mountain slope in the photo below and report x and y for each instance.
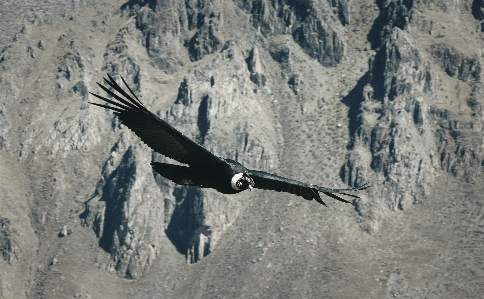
(332, 92)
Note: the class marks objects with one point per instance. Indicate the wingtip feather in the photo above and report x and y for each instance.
(336, 197)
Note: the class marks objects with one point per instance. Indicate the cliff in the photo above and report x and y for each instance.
(331, 92)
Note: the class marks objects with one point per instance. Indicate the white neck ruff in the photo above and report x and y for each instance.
(235, 179)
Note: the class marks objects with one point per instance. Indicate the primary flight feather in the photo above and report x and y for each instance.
(204, 168)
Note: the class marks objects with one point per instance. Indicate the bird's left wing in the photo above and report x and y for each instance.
(268, 181)
(152, 130)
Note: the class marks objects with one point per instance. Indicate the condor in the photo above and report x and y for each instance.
(204, 168)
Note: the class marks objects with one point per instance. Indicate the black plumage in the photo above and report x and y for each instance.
(204, 168)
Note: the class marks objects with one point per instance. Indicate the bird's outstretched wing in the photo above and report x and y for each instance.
(152, 130)
(268, 181)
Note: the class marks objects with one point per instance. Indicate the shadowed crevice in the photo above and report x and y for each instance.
(115, 196)
(478, 9)
(131, 3)
(395, 14)
(353, 100)
(183, 222)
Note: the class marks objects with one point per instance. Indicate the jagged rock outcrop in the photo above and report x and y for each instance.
(460, 138)
(4, 127)
(406, 15)
(10, 247)
(71, 62)
(397, 116)
(456, 64)
(198, 218)
(162, 24)
(281, 53)
(393, 127)
(208, 38)
(294, 83)
(166, 26)
(11, 89)
(205, 102)
(203, 98)
(194, 218)
(392, 14)
(255, 68)
(313, 24)
(343, 8)
(236, 76)
(126, 211)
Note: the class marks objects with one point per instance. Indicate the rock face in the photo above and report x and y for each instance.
(9, 243)
(126, 211)
(455, 64)
(203, 107)
(392, 126)
(255, 68)
(194, 218)
(398, 111)
(312, 24)
(386, 92)
(164, 24)
(163, 41)
(17, 14)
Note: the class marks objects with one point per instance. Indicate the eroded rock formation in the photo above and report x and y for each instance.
(387, 92)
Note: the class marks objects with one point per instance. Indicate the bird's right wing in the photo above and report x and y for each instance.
(269, 181)
(152, 130)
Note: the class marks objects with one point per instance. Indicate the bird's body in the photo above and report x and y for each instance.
(219, 177)
(204, 168)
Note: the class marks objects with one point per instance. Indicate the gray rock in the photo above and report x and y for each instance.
(81, 88)
(280, 53)
(255, 68)
(343, 8)
(207, 40)
(162, 30)
(41, 45)
(71, 64)
(203, 106)
(394, 96)
(393, 14)
(5, 125)
(16, 16)
(456, 64)
(462, 159)
(294, 83)
(325, 44)
(11, 89)
(9, 242)
(84, 295)
(54, 262)
(128, 215)
(68, 135)
(415, 120)
(313, 24)
(65, 231)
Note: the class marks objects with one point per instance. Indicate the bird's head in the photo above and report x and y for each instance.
(241, 181)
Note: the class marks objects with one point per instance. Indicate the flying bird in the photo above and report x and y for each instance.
(204, 168)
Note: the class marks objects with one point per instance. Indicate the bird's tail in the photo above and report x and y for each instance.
(178, 174)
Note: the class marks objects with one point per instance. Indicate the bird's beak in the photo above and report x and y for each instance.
(249, 180)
